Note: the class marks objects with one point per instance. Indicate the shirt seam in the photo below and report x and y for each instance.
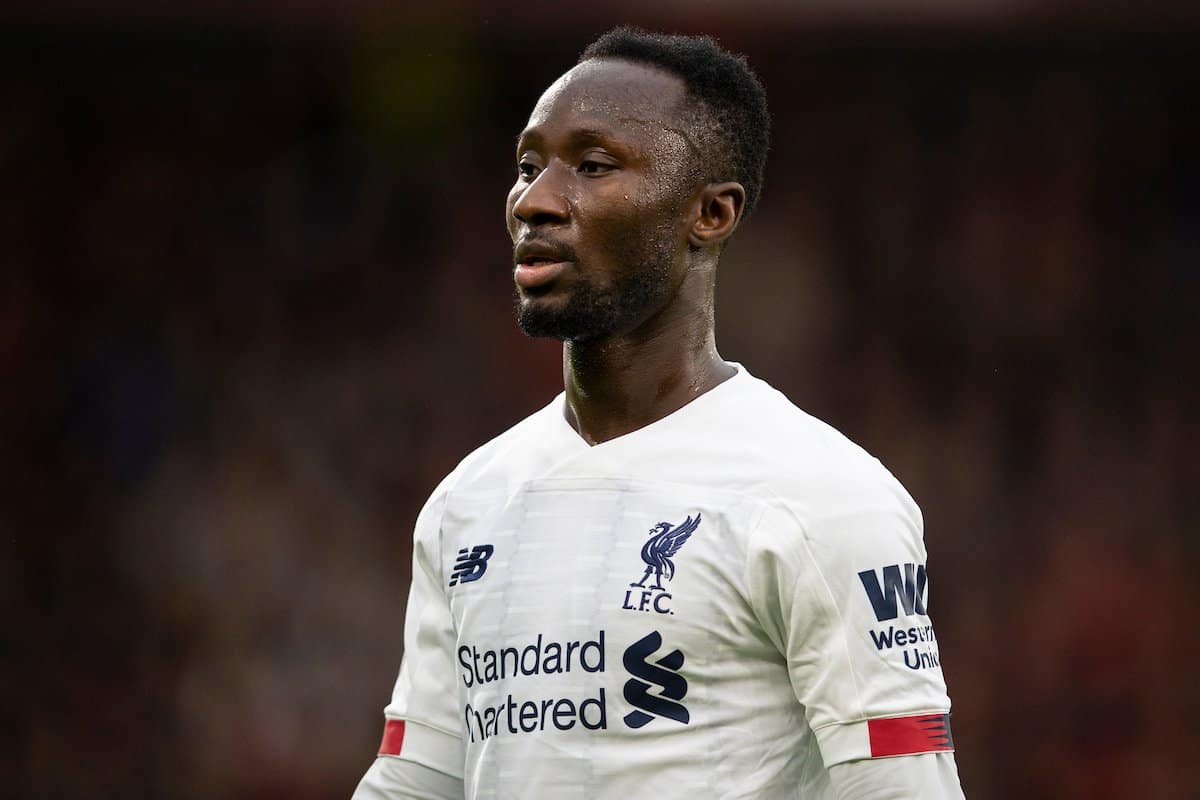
(864, 719)
(832, 602)
(423, 724)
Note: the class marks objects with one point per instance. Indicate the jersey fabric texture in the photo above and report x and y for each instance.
(724, 603)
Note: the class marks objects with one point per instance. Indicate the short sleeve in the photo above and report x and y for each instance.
(838, 580)
(422, 724)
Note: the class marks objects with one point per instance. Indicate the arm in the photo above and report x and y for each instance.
(391, 778)
(421, 755)
(840, 588)
(929, 776)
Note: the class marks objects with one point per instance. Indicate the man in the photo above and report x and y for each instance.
(670, 582)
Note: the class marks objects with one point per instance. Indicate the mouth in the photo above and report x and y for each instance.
(534, 272)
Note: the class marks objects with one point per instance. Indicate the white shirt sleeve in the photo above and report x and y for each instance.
(395, 779)
(838, 580)
(929, 776)
(422, 724)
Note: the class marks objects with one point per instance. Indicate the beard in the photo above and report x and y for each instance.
(593, 311)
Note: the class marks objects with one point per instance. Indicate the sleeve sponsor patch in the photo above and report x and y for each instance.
(902, 736)
(393, 738)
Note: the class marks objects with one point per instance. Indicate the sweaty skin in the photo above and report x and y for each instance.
(609, 182)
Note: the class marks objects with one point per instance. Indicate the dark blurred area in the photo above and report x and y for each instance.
(256, 301)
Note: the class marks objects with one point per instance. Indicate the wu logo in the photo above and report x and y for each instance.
(896, 591)
(471, 566)
(663, 673)
(664, 542)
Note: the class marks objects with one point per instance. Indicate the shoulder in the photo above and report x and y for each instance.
(803, 460)
(830, 514)
(822, 492)
(490, 469)
(518, 451)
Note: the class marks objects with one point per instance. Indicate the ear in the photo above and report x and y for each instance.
(720, 210)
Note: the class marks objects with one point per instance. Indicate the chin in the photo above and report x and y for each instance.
(541, 319)
(579, 315)
(538, 325)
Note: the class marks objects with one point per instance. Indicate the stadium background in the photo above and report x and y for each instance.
(256, 301)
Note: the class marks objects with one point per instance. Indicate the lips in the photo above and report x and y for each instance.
(535, 272)
(540, 263)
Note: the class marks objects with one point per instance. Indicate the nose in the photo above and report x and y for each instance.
(544, 201)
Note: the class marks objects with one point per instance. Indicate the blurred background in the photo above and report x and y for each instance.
(255, 301)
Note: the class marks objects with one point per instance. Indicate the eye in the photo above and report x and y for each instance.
(527, 169)
(591, 166)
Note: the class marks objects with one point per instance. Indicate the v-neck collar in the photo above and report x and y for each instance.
(696, 404)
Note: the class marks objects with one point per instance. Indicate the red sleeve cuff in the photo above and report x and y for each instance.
(393, 738)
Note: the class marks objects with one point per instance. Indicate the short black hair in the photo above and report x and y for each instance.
(733, 126)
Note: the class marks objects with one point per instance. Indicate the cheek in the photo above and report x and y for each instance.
(631, 235)
(514, 194)
(630, 225)
(620, 229)
(655, 218)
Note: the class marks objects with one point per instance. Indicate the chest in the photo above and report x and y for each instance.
(567, 559)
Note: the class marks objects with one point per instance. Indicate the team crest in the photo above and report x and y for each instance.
(664, 542)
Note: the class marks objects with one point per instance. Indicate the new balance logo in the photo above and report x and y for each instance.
(907, 591)
(663, 673)
(471, 566)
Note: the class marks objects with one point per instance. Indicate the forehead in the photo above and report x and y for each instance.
(621, 97)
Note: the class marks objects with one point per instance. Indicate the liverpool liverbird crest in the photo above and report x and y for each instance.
(664, 542)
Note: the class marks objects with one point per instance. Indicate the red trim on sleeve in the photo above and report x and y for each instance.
(393, 737)
(902, 736)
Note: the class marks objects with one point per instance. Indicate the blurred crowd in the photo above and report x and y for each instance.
(256, 301)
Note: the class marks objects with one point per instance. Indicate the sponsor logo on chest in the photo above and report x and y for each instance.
(525, 672)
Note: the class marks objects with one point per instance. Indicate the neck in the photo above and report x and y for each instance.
(620, 383)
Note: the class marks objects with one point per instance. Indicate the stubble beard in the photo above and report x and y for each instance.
(592, 312)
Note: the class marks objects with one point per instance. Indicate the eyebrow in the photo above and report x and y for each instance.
(576, 136)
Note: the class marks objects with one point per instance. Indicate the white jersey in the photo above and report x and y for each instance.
(725, 603)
